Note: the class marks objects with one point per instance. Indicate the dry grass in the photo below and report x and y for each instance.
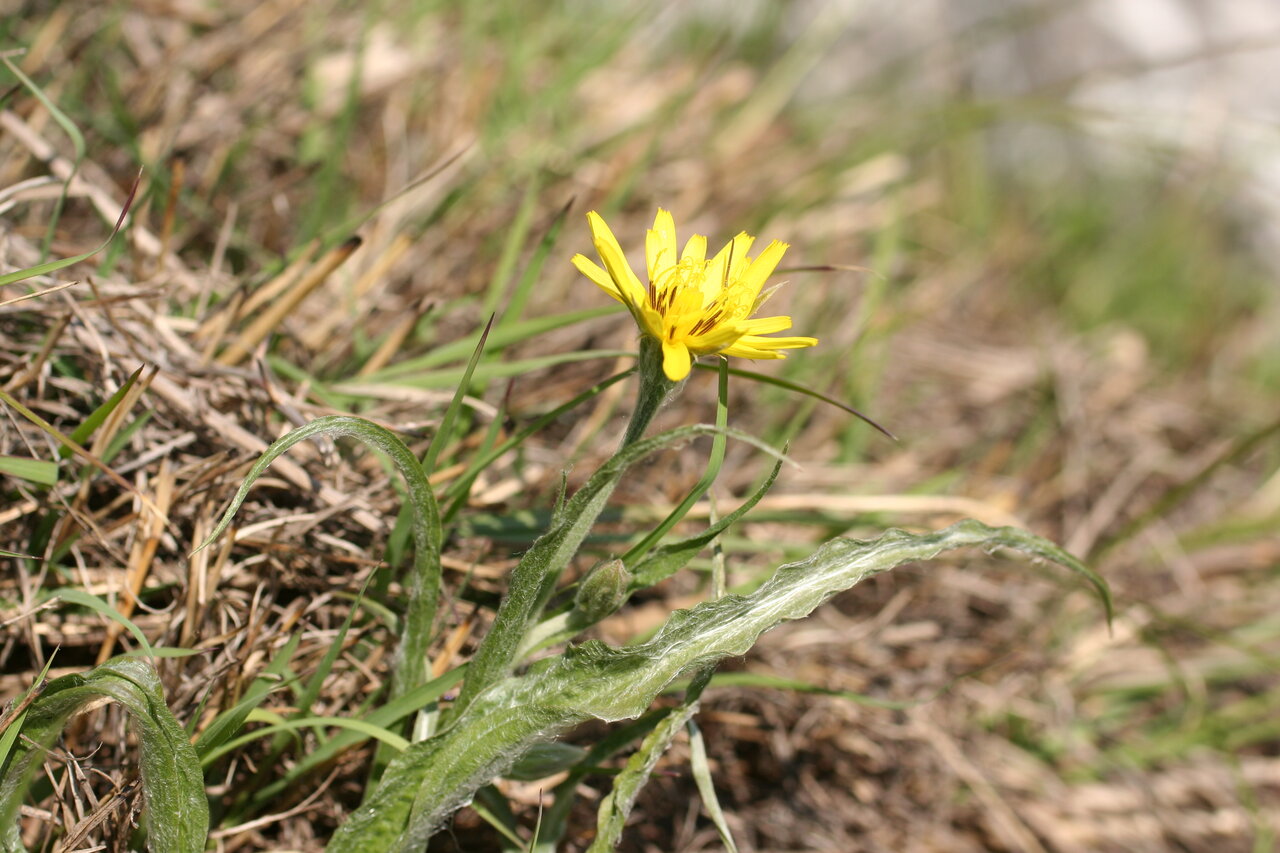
(1024, 723)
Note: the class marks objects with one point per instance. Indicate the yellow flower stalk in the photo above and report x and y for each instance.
(691, 305)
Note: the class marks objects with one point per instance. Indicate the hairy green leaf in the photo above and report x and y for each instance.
(177, 813)
(611, 816)
(433, 778)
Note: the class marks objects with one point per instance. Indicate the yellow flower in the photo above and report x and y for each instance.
(692, 305)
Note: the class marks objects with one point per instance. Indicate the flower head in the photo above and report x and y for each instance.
(693, 306)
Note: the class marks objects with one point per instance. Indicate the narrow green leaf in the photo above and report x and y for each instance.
(450, 377)
(445, 433)
(361, 727)
(533, 271)
(310, 691)
(706, 785)
(227, 724)
(432, 778)
(77, 144)
(468, 477)
(668, 559)
(84, 599)
(502, 337)
(777, 382)
(612, 814)
(16, 713)
(54, 266)
(516, 233)
(496, 811)
(555, 821)
(177, 813)
(40, 471)
(165, 652)
(457, 491)
(89, 426)
(768, 681)
(385, 716)
(659, 565)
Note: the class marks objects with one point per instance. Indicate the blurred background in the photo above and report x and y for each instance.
(1051, 233)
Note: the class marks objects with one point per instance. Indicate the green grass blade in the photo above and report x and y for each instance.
(310, 691)
(98, 416)
(659, 565)
(800, 389)
(77, 144)
(432, 778)
(11, 723)
(461, 486)
(614, 809)
(384, 716)
(76, 448)
(457, 491)
(54, 266)
(282, 728)
(495, 811)
(177, 813)
(706, 785)
(40, 471)
(452, 376)
(503, 336)
(510, 253)
(424, 576)
(762, 680)
(84, 599)
(445, 433)
(555, 819)
(227, 724)
(399, 533)
(533, 271)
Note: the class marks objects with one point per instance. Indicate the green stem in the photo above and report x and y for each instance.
(655, 387)
(637, 551)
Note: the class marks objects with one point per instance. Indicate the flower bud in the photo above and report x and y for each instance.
(603, 590)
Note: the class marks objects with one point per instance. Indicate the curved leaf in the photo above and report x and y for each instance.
(177, 812)
(424, 580)
(433, 778)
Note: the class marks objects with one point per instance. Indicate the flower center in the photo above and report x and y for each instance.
(679, 288)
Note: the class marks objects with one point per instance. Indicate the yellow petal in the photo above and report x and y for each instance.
(715, 340)
(766, 325)
(676, 361)
(721, 268)
(593, 271)
(762, 267)
(755, 346)
(614, 260)
(741, 350)
(695, 249)
(660, 244)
